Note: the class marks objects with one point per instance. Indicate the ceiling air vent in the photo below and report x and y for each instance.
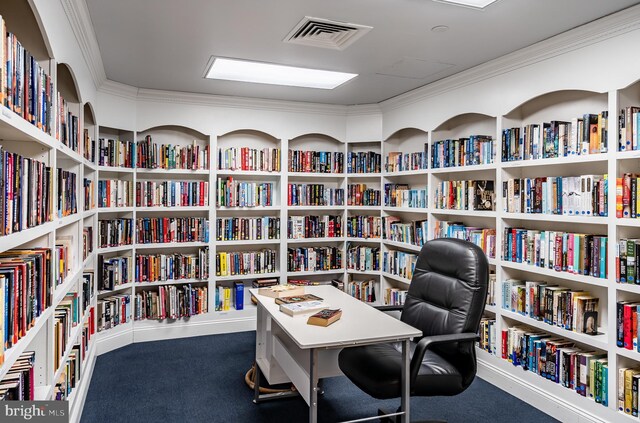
(324, 33)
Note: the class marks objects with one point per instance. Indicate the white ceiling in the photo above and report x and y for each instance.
(166, 44)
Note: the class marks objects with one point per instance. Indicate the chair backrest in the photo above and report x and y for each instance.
(448, 293)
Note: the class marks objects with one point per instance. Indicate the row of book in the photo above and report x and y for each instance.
(70, 375)
(312, 259)
(63, 258)
(152, 230)
(172, 267)
(362, 290)
(67, 189)
(492, 289)
(484, 238)
(151, 155)
(25, 87)
(67, 125)
(475, 150)
(89, 194)
(628, 124)
(572, 310)
(465, 195)
(172, 193)
(246, 262)
(364, 226)
(114, 271)
(414, 232)
(171, 302)
(265, 159)
(575, 253)
(88, 147)
(580, 136)
(227, 297)
(316, 161)
(584, 195)
(627, 325)
(88, 285)
(397, 161)
(558, 360)
(67, 315)
(115, 193)
(627, 255)
(232, 193)
(308, 226)
(364, 162)
(627, 196)
(113, 311)
(399, 263)
(18, 384)
(26, 192)
(116, 153)
(314, 195)
(115, 232)
(247, 228)
(395, 296)
(360, 195)
(363, 258)
(26, 285)
(487, 334)
(402, 195)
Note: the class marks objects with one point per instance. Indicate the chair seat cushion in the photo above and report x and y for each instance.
(377, 369)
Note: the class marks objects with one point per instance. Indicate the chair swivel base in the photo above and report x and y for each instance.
(396, 418)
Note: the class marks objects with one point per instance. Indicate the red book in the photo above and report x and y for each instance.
(627, 326)
(557, 260)
(505, 336)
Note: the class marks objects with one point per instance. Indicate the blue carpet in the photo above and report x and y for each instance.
(202, 380)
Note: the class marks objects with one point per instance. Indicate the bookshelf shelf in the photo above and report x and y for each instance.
(176, 172)
(62, 289)
(106, 250)
(247, 173)
(474, 213)
(403, 245)
(69, 154)
(315, 240)
(71, 340)
(169, 282)
(631, 354)
(569, 160)
(14, 127)
(363, 272)
(491, 308)
(594, 220)
(15, 239)
(554, 274)
(492, 261)
(627, 155)
(312, 208)
(460, 169)
(404, 173)
(364, 175)
(89, 213)
(631, 223)
(364, 208)
(628, 287)
(311, 175)
(116, 209)
(42, 393)
(316, 272)
(67, 220)
(88, 164)
(392, 210)
(364, 240)
(113, 169)
(396, 278)
(248, 242)
(116, 289)
(247, 277)
(598, 341)
(265, 208)
(172, 209)
(159, 245)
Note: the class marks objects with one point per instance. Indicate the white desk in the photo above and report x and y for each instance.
(289, 350)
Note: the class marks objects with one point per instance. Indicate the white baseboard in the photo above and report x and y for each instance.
(185, 329)
(555, 400)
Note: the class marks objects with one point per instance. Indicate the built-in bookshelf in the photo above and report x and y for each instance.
(48, 193)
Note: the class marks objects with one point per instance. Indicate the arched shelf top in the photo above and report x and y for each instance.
(464, 119)
(548, 102)
(25, 23)
(251, 133)
(315, 136)
(89, 114)
(67, 83)
(179, 129)
(408, 132)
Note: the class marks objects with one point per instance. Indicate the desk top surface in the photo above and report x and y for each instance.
(360, 323)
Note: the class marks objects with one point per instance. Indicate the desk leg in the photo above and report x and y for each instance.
(405, 382)
(313, 385)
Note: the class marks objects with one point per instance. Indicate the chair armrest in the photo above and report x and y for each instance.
(389, 307)
(428, 341)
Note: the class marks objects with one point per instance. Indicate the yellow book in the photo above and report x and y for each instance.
(628, 389)
(223, 264)
(227, 298)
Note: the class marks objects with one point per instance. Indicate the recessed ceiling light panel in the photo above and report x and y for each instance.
(270, 73)
(476, 4)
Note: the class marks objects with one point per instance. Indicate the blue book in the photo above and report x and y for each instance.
(239, 295)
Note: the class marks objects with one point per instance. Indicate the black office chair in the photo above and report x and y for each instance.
(445, 301)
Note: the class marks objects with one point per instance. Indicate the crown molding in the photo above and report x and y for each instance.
(599, 30)
(364, 110)
(78, 15)
(161, 96)
(118, 89)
